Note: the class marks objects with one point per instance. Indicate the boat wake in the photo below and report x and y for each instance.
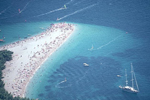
(20, 11)
(3, 11)
(81, 78)
(78, 2)
(68, 2)
(50, 12)
(109, 42)
(105, 44)
(10, 16)
(25, 6)
(77, 11)
(92, 48)
(58, 85)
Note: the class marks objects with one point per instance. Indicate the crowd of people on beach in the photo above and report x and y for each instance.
(35, 57)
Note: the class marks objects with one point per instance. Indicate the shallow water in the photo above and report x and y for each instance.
(99, 80)
(118, 31)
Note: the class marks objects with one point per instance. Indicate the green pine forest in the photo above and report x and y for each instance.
(6, 55)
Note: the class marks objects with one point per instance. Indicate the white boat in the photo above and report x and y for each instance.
(118, 75)
(128, 88)
(85, 64)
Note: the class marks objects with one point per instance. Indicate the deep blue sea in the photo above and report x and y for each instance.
(118, 31)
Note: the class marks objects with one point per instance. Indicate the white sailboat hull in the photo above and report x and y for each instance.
(128, 89)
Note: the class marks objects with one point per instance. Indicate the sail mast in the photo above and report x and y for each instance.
(132, 75)
(135, 80)
(126, 77)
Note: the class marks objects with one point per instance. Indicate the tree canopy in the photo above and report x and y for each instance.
(6, 55)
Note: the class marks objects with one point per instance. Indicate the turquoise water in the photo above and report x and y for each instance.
(18, 31)
(99, 80)
(112, 52)
(101, 23)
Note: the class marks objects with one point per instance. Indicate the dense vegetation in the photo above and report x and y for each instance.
(6, 55)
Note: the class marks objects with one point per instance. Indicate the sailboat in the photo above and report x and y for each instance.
(65, 7)
(91, 48)
(128, 88)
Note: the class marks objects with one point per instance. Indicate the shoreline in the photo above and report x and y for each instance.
(45, 60)
(28, 59)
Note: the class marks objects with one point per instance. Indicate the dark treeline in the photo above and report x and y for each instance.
(6, 55)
